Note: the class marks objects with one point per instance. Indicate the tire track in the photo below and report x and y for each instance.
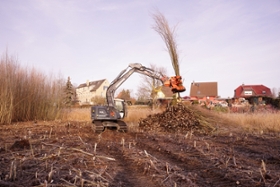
(209, 171)
(125, 173)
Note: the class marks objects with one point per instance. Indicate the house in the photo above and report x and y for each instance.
(252, 91)
(203, 91)
(86, 91)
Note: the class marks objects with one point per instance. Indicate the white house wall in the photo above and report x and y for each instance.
(85, 94)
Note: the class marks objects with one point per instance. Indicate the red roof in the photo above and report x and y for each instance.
(204, 89)
(252, 90)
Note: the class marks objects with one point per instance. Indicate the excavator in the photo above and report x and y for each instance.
(111, 115)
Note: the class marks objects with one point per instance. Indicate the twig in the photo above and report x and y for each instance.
(109, 175)
(82, 140)
(108, 158)
(122, 143)
(227, 162)
(58, 154)
(165, 179)
(13, 171)
(152, 164)
(186, 136)
(79, 150)
(263, 166)
(208, 147)
(49, 144)
(276, 183)
(32, 152)
(95, 145)
(167, 168)
(50, 174)
(98, 156)
(149, 155)
(97, 175)
(67, 182)
(50, 133)
(262, 176)
(102, 172)
(84, 180)
(234, 161)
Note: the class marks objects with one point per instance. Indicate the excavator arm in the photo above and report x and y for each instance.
(174, 82)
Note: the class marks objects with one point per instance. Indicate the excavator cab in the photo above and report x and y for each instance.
(109, 113)
(120, 105)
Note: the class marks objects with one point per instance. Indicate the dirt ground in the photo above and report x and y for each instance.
(71, 154)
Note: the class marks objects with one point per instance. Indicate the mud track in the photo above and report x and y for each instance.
(70, 154)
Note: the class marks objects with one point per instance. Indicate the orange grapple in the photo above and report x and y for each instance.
(175, 83)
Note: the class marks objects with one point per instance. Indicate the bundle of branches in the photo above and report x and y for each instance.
(176, 118)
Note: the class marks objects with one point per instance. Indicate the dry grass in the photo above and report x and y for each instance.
(83, 114)
(76, 114)
(253, 122)
(132, 119)
(137, 112)
(256, 122)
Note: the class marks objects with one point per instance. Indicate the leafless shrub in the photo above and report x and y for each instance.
(26, 93)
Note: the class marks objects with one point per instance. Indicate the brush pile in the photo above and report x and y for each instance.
(178, 118)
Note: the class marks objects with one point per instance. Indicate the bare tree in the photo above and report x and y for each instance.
(149, 87)
(124, 94)
(168, 35)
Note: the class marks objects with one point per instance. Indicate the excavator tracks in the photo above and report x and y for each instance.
(98, 126)
(122, 126)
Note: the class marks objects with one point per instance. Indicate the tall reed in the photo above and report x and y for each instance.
(27, 94)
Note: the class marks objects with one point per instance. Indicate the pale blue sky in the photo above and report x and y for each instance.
(230, 42)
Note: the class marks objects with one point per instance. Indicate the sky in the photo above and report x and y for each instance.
(228, 42)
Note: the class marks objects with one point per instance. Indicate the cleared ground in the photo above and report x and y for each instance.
(71, 154)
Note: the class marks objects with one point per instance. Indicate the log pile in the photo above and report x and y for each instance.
(178, 118)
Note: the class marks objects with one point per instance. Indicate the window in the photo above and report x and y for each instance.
(248, 93)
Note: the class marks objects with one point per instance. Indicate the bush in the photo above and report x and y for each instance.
(27, 94)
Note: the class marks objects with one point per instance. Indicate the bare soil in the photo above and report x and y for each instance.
(70, 154)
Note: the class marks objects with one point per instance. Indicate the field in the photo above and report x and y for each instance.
(240, 150)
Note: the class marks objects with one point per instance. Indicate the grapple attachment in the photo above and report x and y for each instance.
(175, 83)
